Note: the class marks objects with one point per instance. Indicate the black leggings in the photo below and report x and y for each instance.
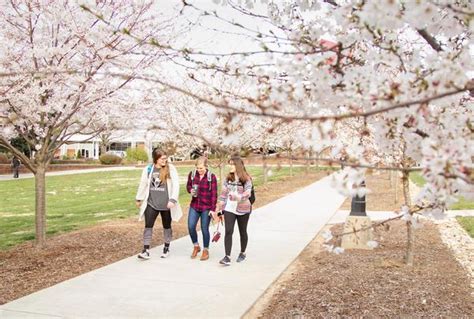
(242, 221)
(151, 214)
(150, 217)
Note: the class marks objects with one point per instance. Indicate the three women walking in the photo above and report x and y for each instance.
(158, 195)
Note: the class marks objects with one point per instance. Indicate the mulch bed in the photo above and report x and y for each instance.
(25, 269)
(368, 284)
(375, 284)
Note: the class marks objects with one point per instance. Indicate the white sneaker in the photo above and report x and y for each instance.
(145, 254)
(166, 252)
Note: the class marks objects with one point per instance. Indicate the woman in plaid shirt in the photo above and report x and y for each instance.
(202, 185)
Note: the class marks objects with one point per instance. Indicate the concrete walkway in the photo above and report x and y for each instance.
(179, 287)
(71, 172)
(182, 178)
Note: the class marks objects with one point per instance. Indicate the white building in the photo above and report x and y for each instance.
(89, 147)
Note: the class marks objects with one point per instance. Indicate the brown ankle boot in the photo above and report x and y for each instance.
(196, 250)
(205, 254)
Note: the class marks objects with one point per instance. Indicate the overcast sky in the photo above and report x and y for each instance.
(202, 35)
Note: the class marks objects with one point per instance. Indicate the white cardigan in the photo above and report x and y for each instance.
(173, 191)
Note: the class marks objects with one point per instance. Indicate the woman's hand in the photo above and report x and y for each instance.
(138, 203)
(213, 214)
(171, 205)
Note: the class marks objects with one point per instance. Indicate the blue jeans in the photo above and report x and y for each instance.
(193, 218)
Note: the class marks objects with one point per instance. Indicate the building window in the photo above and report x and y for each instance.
(119, 146)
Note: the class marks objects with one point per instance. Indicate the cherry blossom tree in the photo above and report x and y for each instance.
(400, 67)
(193, 124)
(404, 68)
(290, 142)
(54, 84)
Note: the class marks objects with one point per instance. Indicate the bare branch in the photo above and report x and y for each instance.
(430, 39)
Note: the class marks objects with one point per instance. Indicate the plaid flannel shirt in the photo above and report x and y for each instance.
(207, 196)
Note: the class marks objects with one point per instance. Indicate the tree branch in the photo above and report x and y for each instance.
(430, 39)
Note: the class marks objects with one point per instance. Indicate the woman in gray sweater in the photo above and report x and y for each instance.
(158, 195)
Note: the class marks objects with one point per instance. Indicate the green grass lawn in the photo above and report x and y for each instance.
(467, 223)
(80, 200)
(417, 179)
(462, 202)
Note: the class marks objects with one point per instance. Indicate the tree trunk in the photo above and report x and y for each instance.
(395, 185)
(265, 168)
(316, 160)
(103, 148)
(410, 231)
(290, 155)
(40, 205)
(221, 170)
(307, 162)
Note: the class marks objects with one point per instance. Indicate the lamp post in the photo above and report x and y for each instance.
(358, 204)
(357, 220)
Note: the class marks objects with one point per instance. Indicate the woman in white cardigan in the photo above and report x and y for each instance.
(158, 195)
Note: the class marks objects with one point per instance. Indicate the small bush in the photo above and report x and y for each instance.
(137, 154)
(109, 159)
(4, 159)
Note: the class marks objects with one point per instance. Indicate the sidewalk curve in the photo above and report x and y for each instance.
(179, 287)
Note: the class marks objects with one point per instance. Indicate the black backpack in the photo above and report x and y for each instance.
(252, 196)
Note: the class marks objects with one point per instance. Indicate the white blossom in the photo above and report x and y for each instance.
(372, 244)
(327, 235)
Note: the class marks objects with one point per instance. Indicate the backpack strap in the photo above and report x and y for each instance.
(209, 178)
(149, 169)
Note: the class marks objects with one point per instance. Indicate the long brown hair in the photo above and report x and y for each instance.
(164, 171)
(239, 170)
